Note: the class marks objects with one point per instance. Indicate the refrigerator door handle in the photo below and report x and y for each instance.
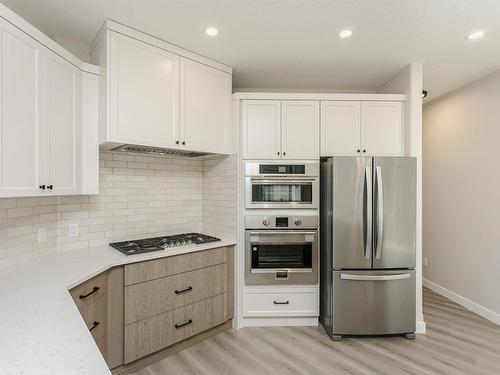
(367, 212)
(399, 276)
(380, 211)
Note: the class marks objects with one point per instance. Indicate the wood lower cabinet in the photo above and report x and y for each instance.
(146, 307)
(171, 299)
(153, 334)
(91, 299)
(157, 296)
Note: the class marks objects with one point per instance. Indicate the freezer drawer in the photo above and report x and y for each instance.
(373, 302)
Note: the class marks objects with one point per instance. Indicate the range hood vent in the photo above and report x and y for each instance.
(158, 151)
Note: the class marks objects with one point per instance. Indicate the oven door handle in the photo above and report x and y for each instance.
(253, 233)
(280, 181)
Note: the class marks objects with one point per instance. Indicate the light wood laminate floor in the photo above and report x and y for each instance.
(457, 342)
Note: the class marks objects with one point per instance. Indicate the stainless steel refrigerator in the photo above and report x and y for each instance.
(367, 246)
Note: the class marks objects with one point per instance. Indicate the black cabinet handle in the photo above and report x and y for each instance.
(284, 153)
(42, 187)
(281, 302)
(94, 325)
(183, 142)
(50, 187)
(180, 291)
(364, 150)
(278, 152)
(359, 150)
(95, 289)
(176, 142)
(183, 324)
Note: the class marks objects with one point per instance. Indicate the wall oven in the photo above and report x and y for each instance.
(281, 250)
(281, 184)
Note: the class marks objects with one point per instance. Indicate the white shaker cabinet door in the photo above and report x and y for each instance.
(381, 128)
(63, 135)
(144, 93)
(261, 129)
(205, 114)
(300, 129)
(340, 128)
(21, 110)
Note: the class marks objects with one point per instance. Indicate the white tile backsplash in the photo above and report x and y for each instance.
(140, 196)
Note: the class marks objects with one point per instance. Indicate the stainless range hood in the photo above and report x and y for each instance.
(158, 151)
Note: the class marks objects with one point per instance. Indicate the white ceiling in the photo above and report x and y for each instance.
(293, 45)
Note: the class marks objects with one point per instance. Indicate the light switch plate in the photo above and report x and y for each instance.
(42, 235)
(73, 230)
(425, 261)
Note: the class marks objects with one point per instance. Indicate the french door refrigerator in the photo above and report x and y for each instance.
(367, 245)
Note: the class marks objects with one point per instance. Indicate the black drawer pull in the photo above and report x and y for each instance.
(183, 324)
(281, 302)
(83, 296)
(50, 187)
(94, 325)
(180, 291)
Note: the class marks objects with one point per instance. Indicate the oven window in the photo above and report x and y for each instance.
(276, 193)
(282, 256)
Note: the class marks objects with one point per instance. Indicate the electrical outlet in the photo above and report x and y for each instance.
(426, 261)
(42, 235)
(73, 230)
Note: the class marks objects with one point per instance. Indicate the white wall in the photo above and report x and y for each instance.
(462, 195)
(409, 82)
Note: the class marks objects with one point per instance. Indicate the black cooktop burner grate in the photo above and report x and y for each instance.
(161, 243)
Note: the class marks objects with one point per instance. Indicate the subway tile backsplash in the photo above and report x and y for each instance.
(140, 196)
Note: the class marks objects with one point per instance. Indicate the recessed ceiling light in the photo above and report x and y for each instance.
(211, 31)
(345, 33)
(475, 35)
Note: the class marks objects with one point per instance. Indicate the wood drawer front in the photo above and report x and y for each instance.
(269, 304)
(89, 291)
(155, 269)
(94, 314)
(148, 336)
(154, 297)
(102, 346)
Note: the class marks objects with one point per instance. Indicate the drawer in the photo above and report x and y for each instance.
(154, 297)
(153, 334)
(155, 269)
(89, 291)
(94, 316)
(272, 303)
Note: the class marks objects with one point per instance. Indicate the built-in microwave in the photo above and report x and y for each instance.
(281, 184)
(281, 250)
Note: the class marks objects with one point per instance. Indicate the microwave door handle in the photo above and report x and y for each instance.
(380, 211)
(367, 212)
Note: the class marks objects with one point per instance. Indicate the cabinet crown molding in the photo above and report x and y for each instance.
(318, 96)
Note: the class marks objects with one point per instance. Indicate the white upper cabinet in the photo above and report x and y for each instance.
(21, 108)
(300, 129)
(157, 94)
(361, 128)
(381, 124)
(144, 86)
(340, 127)
(62, 125)
(205, 108)
(261, 129)
(275, 129)
(41, 101)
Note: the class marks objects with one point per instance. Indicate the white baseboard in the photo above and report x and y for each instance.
(467, 303)
(278, 322)
(420, 327)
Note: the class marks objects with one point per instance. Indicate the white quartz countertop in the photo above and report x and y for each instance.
(41, 329)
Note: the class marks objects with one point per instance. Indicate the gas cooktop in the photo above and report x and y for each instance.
(161, 243)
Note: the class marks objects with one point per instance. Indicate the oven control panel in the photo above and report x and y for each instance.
(282, 222)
